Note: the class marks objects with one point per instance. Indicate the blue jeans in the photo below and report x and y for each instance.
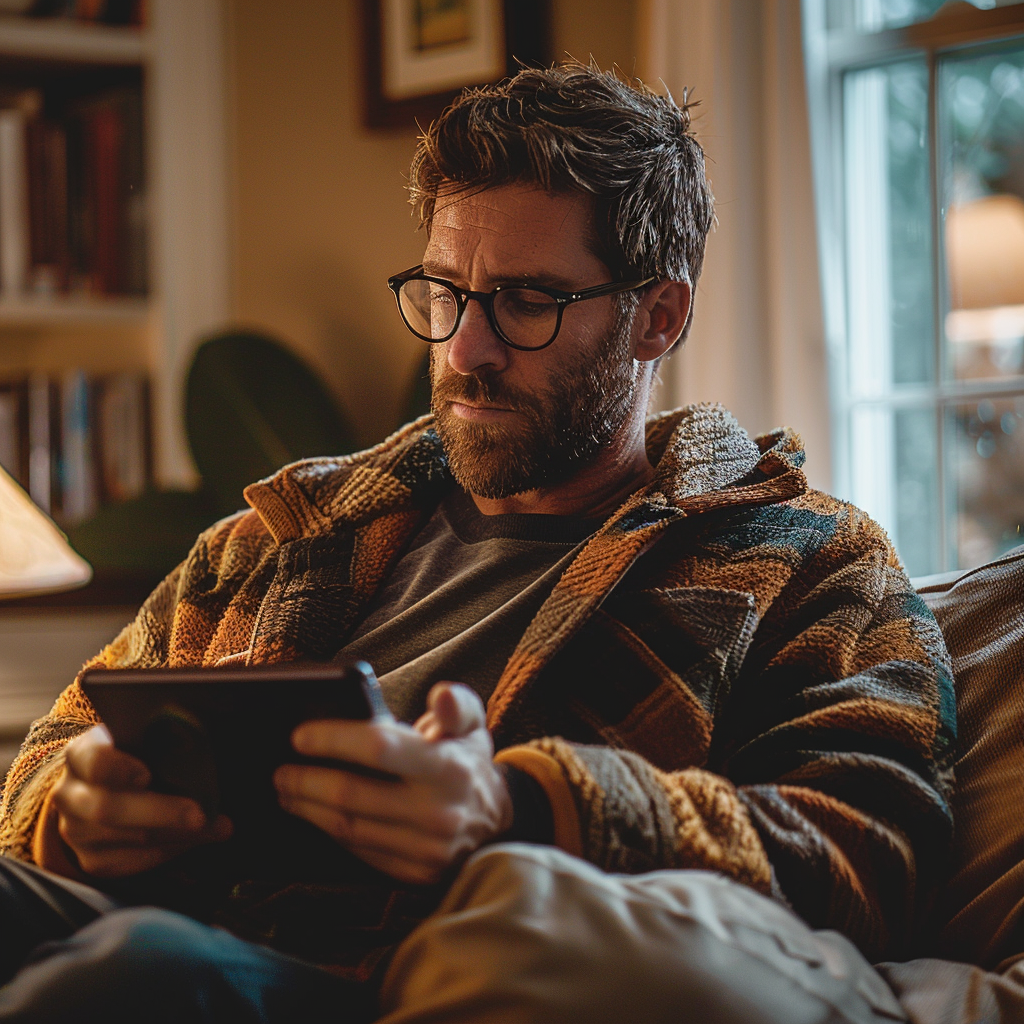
(68, 953)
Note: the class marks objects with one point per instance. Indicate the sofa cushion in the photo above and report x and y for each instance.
(981, 615)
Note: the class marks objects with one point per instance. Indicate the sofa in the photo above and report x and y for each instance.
(972, 970)
(980, 914)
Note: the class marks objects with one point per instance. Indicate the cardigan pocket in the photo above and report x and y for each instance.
(648, 670)
(702, 634)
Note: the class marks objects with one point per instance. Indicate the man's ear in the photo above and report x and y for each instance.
(667, 308)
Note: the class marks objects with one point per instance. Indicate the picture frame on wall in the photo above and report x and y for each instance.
(418, 54)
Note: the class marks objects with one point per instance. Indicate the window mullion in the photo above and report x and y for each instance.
(938, 301)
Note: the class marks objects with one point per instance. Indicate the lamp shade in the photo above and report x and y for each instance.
(34, 556)
(985, 252)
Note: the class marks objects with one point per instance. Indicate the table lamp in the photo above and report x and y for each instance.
(35, 558)
(985, 256)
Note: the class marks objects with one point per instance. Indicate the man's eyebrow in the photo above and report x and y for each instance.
(542, 277)
(437, 270)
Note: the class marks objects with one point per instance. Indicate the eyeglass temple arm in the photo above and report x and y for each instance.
(612, 288)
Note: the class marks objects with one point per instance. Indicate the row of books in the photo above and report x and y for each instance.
(72, 196)
(105, 12)
(74, 441)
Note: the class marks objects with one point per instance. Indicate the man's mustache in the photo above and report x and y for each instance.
(476, 388)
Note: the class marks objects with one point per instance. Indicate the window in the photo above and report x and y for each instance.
(918, 131)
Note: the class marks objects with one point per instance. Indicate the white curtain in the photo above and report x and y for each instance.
(758, 341)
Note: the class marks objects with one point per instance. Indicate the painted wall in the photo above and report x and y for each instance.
(319, 212)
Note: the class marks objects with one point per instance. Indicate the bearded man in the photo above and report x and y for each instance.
(684, 658)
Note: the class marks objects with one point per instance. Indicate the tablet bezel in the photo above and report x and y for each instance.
(245, 715)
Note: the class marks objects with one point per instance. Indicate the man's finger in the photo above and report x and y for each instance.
(114, 859)
(386, 746)
(377, 800)
(128, 810)
(116, 863)
(94, 759)
(81, 834)
(366, 834)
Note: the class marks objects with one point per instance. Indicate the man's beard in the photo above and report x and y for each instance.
(554, 433)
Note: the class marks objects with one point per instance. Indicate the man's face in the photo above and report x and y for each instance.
(513, 421)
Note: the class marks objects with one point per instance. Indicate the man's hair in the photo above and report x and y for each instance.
(575, 128)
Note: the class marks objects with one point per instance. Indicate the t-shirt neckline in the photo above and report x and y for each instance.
(471, 526)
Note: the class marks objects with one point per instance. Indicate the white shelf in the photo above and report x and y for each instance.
(73, 312)
(60, 39)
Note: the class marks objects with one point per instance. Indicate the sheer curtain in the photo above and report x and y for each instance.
(758, 341)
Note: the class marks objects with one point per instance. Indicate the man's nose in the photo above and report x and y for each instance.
(475, 346)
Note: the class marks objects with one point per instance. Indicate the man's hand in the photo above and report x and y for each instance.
(448, 799)
(112, 823)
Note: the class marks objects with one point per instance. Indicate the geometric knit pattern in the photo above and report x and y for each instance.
(733, 674)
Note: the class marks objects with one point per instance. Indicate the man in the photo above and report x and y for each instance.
(688, 659)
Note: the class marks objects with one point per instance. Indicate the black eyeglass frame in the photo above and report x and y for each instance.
(486, 299)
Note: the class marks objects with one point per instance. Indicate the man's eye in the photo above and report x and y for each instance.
(527, 304)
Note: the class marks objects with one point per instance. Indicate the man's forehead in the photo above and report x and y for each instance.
(511, 229)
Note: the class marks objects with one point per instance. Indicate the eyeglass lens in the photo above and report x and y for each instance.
(526, 318)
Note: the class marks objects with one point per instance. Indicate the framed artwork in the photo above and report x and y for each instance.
(418, 54)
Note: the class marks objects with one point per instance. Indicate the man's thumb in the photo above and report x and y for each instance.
(456, 708)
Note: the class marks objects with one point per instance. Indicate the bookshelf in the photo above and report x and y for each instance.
(178, 59)
(176, 64)
(57, 39)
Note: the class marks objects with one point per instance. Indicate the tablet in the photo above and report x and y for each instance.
(217, 734)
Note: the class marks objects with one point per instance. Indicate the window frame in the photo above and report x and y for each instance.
(829, 55)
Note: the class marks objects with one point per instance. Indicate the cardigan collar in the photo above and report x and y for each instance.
(703, 459)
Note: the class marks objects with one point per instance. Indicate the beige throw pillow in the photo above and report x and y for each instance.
(982, 619)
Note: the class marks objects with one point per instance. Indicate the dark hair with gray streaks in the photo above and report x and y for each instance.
(573, 127)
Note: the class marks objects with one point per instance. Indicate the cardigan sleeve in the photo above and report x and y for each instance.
(827, 774)
(169, 628)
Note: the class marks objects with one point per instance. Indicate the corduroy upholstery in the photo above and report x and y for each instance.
(982, 618)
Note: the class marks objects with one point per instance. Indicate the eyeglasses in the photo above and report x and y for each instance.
(526, 317)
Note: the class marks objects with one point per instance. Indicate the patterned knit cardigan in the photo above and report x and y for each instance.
(734, 673)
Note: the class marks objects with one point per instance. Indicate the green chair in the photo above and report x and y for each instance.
(251, 406)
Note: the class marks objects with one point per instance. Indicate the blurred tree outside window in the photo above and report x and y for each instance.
(918, 125)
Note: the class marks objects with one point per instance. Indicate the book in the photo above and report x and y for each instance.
(122, 420)
(14, 240)
(88, 10)
(81, 441)
(133, 201)
(14, 438)
(10, 431)
(106, 194)
(78, 497)
(73, 209)
(107, 12)
(80, 220)
(42, 437)
(106, 130)
(48, 206)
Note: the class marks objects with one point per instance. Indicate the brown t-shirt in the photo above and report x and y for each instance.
(460, 597)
